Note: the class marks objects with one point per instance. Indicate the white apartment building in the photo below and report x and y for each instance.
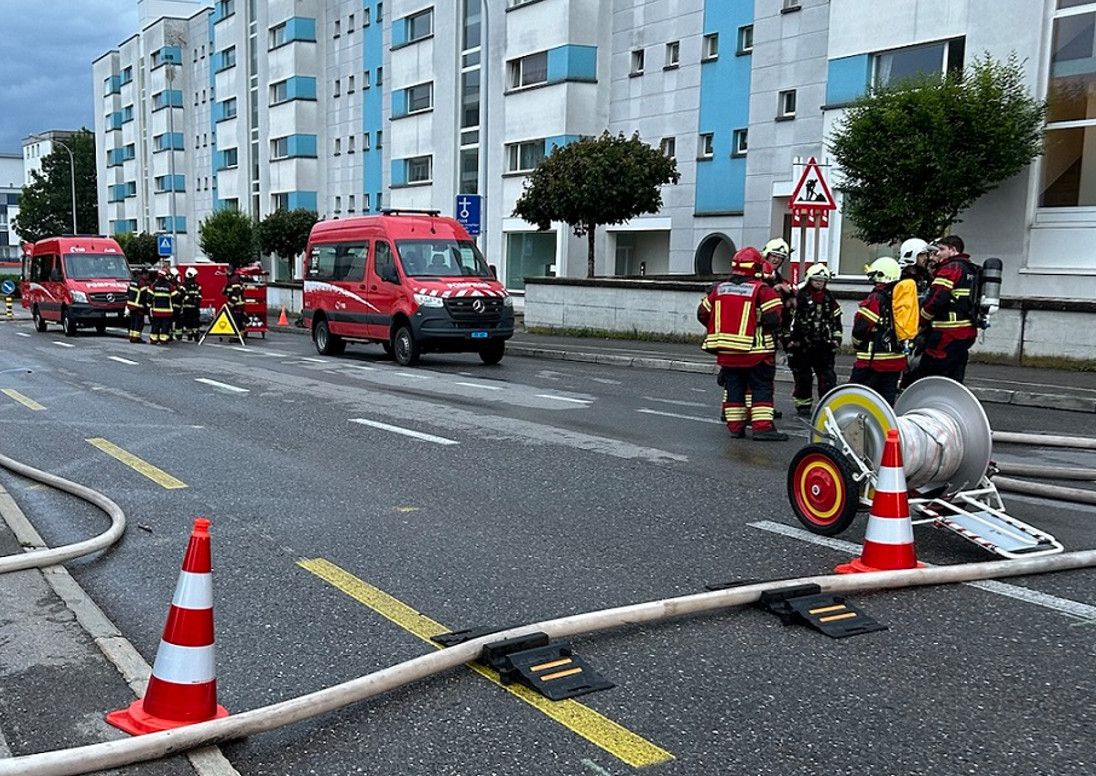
(11, 176)
(350, 106)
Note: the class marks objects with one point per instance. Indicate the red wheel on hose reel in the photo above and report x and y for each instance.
(821, 489)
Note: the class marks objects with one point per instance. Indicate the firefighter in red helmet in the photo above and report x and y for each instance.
(742, 315)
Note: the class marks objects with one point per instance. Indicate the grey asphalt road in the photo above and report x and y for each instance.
(533, 489)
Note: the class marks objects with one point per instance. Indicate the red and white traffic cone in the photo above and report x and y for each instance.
(888, 542)
(183, 687)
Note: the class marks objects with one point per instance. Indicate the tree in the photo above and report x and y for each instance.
(285, 232)
(228, 236)
(140, 249)
(916, 155)
(45, 207)
(596, 181)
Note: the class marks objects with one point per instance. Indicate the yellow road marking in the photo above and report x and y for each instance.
(26, 401)
(599, 730)
(159, 476)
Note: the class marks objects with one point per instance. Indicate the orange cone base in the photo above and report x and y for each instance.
(136, 721)
(857, 566)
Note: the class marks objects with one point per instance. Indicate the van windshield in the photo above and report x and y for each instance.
(93, 266)
(443, 258)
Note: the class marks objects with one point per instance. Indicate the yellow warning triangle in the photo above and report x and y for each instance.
(223, 325)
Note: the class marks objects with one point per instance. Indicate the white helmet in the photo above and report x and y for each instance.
(174, 272)
(776, 247)
(883, 270)
(910, 250)
(818, 271)
(191, 272)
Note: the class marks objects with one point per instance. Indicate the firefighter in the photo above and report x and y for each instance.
(234, 294)
(176, 303)
(814, 338)
(880, 355)
(162, 310)
(742, 315)
(192, 304)
(949, 312)
(135, 306)
(913, 257)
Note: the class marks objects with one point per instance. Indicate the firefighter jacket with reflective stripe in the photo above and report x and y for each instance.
(949, 305)
(817, 318)
(873, 335)
(234, 293)
(161, 299)
(177, 297)
(741, 315)
(192, 295)
(135, 297)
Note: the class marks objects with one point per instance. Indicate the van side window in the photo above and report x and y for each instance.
(42, 267)
(321, 262)
(338, 261)
(384, 264)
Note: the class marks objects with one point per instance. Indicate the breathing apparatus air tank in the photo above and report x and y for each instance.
(990, 300)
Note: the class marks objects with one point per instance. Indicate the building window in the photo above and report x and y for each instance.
(420, 25)
(380, 136)
(738, 142)
(280, 200)
(338, 146)
(378, 199)
(745, 39)
(338, 88)
(279, 92)
(230, 159)
(338, 28)
(673, 55)
(365, 203)
(786, 105)
(228, 108)
(637, 62)
(350, 24)
(350, 85)
(668, 147)
(420, 98)
(350, 144)
(380, 75)
(420, 169)
(705, 148)
(529, 70)
(365, 141)
(790, 5)
(524, 157)
(224, 8)
(380, 11)
(279, 148)
(711, 47)
(350, 204)
(1069, 144)
(365, 17)
(891, 67)
(338, 204)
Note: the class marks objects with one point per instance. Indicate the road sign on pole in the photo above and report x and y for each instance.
(165, 245)
(812, 200)
(468, 212)
(7, 287)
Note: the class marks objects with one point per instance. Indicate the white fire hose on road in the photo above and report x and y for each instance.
(123, 752)
(1054, 492)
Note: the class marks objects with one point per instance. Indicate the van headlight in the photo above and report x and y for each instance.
(79, 296)
(508, 301)
(426, 300)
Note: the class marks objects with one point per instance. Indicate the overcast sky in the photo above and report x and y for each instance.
(46, 51)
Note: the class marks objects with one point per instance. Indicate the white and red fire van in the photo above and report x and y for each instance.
(76, 281)
(413, 281)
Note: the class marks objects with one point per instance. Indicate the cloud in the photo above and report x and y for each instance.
(46, 58)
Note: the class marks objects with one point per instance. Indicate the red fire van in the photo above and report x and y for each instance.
(76, 281)
(412, 281)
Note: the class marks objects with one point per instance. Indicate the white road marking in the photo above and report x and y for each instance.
(225, 386)
(64, 344)
(361, 367)
(676, 415)
(564, 398)
(405, 431)
(121, 360)
(479, 385)
(1063, 605)
(412, 375)
(314, 360)
(22, 334)
(605, 381)
(678, 402)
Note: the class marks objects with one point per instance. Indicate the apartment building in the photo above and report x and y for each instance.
(349, 106)
(11, 176)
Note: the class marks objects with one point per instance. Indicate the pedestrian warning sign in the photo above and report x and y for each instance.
(811, 199)
(223, 325)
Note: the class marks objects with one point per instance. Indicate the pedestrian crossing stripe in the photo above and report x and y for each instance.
(223, 325)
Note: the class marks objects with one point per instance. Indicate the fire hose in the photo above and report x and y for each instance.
(1055, 492)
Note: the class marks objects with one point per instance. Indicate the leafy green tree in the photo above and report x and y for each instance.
(140, 249)
(228, 236)
(45, 207)
(916, 155)
(285, 232)
(596, 181)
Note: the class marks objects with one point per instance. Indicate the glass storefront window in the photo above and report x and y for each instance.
(855, 253)
(529, 254)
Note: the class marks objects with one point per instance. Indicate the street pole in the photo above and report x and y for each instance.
(170, 73)
(72, 180)
(485, 67)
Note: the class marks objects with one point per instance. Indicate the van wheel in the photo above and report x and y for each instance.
(39, 321)
(67, 324)
(404, 347)
(492, 353)
(327, 344)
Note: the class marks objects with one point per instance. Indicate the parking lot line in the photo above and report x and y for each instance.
(564, 398)
(678, 415)
(159, 476)
(405, 431)
(63, 344)
(599, 730)
(480, 386)
(121, 360)
(26, 401)
(1047, 601)
(225, 386)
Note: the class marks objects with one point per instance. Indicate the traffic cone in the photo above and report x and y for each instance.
(888, 542)
(183, 687)
(282, 320)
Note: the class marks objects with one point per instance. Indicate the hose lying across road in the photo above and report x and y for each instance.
(120, 753)
(1054, 492)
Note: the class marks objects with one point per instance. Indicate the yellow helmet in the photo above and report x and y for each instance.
(883, 270)
(776, 247)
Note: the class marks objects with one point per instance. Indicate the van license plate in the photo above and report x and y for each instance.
(479, 335)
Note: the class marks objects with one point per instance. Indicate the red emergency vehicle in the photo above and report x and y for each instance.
(76, 281)
(411, 280)
(213, 277)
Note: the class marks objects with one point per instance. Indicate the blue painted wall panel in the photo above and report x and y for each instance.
(302, 199)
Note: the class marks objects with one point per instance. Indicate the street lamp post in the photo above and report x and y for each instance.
(72, 174)
(485, 118)
(171, 158)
